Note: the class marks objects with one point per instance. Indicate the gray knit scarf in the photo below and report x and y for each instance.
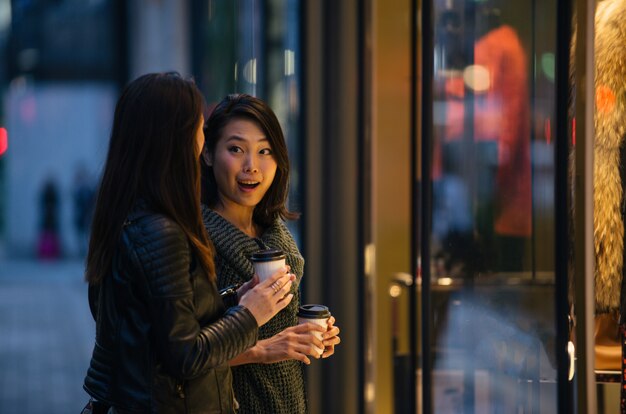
(260, 388)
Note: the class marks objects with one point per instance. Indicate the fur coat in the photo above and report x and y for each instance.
(610, 128)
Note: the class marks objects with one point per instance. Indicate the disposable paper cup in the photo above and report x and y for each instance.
(267, 262)
(317, 314)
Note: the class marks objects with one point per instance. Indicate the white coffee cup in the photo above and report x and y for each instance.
(267, 262)
(317, 314)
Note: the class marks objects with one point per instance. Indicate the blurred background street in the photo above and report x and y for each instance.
(46, 335)
(62, 66)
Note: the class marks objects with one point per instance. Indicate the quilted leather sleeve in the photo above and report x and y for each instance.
(161, 253)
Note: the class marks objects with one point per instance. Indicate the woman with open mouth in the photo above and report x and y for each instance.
(245, 186)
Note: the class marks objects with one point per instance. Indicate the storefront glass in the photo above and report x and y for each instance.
(491, 243)
(253, 47)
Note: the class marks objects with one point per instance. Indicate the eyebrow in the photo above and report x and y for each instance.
(241, 139)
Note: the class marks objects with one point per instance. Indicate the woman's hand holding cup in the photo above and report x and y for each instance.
(327, 335)
(296, 342)
(270, 296)
(330, 338)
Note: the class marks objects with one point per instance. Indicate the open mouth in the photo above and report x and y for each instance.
(248, 185)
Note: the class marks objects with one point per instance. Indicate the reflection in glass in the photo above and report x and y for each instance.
(253, 47)
(483, 152)
(492, 278)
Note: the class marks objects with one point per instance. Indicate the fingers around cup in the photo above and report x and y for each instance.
(281, 272)
(286, 288)
(328, 353)
(285, 300)
(276, 276)
(317, 342)
(310, 326)
(335, 340)
(331, 332)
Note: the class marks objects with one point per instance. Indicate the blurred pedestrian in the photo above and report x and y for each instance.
(48, 244)
(163, 335)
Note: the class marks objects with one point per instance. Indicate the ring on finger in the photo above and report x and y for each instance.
(275, 287)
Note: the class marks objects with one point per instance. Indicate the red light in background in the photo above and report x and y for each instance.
(4, 141)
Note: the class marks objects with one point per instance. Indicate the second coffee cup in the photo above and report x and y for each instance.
(266, 262)
(317, 314)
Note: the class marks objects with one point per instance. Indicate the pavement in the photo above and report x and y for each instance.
(46, 337)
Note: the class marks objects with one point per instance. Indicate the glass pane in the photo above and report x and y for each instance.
(283, 89)
(231, 56)
(253, 47)
(492, 240)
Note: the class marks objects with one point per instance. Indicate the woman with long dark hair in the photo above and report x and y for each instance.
(163, 335)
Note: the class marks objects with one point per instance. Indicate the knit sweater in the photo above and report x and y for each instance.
(260, 388)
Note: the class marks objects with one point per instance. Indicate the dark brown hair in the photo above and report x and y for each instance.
(152, 158)
(242, 106)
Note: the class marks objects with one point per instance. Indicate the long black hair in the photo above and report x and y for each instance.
(242, 106)
(153, 158)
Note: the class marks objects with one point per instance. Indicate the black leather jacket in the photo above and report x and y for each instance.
(163, 335)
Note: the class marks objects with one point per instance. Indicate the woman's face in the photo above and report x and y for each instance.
(243, 164)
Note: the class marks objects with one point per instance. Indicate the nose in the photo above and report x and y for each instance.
(251, 165)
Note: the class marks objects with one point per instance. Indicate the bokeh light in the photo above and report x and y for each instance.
(4, 141)
(395, 291)
(477, 78)
(249, 71)
(548, 65)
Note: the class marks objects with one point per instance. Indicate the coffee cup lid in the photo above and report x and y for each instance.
(313, 311)
(267, 255)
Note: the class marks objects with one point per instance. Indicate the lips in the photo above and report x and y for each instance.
(248, 184)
